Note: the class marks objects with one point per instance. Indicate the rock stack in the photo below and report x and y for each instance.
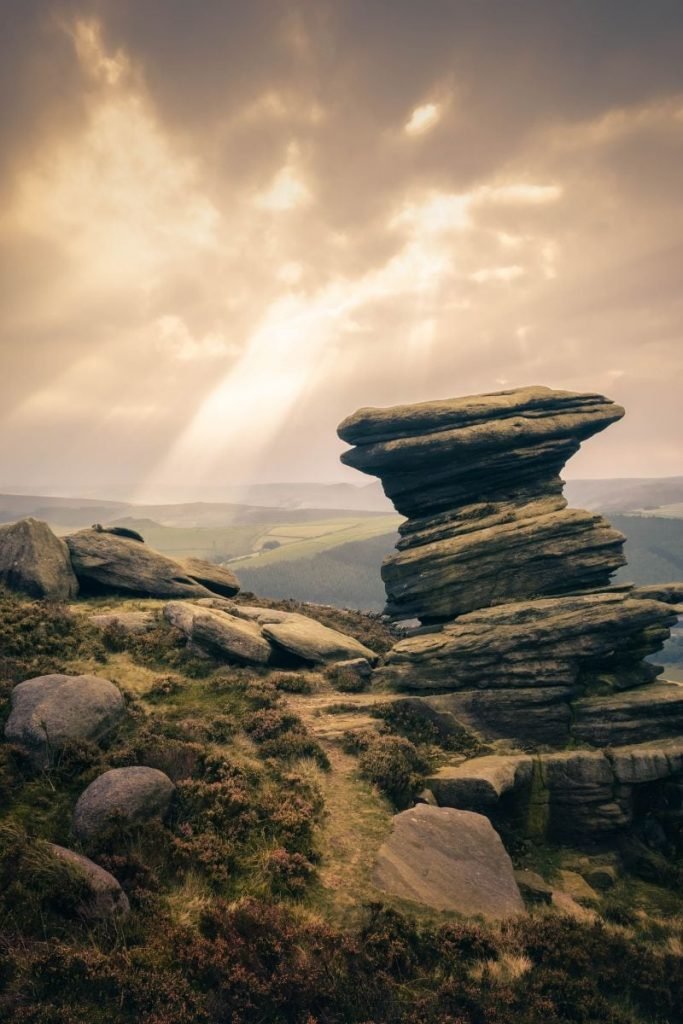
(522, 636)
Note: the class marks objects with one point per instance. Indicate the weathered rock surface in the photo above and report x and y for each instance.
(549, 553)
(580, 794)
(50, 710)
(313, 642)
(104, 561)
(236, 639)
(34, 561)
(216, 578)
(522, 637)
(450, 860)
(106, 897)
(558, 641)
(136, 794)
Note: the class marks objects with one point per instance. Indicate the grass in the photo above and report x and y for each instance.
(255, 902)
(319, 537)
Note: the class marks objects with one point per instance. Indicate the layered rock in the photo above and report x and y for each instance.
(479, 480)
(523, 638)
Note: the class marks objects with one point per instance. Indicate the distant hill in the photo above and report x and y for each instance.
(625, 495)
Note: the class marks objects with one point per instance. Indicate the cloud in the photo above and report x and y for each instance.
(219, 234)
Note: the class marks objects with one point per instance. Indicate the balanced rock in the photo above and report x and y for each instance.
(479, 480)
(216, 578)
(136, 794)
(48, 711)
(107, 562)
(218, 631)
(34, 561)
(105, 896)
(449, 860)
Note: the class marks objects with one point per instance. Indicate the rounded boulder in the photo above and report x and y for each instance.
(50, 710)
(137, 794)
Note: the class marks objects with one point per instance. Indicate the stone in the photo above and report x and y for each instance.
(106, 897)
(521, 636)
(577, 887)
(479, 783)
(50, 710)
(602, 877)
(136, 793)
(35, 562)
(542, 554)
(131, 623)
(426, 796)
(533, 887)
(312, 642)
(448, 860)
(216, 578)
(647, 762)
(119, 531)
(358, 669)
(648, 713)
(235, 639)
(105, 562)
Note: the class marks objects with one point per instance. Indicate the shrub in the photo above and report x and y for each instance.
(39, 637)
(395, 765)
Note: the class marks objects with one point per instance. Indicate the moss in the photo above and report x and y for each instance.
(536, 814)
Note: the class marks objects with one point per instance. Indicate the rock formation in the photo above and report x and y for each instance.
(36, 562)
(104, 561)
(258, 636)
(522, 637)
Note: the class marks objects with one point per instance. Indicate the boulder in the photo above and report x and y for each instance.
(106, 562)
(218, 631)
(216, 578)
(449, 860)
(533, 887)
(106, 897)
(34, 561)
(479, 783)
(136, 793)
(48, 711)
(312, 642)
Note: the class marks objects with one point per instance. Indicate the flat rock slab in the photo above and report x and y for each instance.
(48, 711)
(313, 642)
(449, 860)
(117, 564)
(34, 561)
(135, 793)
(106, 897)
(236, 639)
(216, 578)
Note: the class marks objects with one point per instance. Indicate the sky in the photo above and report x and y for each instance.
(225, 226)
